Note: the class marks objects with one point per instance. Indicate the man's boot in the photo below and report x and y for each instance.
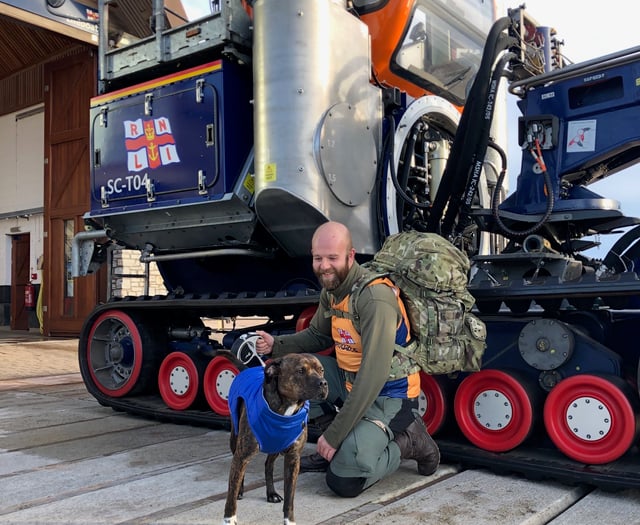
(416, 443)
(313, 463)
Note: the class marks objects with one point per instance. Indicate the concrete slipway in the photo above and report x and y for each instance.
(66, 459)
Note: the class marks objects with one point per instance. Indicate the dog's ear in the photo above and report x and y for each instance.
(272, 370)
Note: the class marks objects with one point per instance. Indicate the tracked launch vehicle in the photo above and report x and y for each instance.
(218, 147)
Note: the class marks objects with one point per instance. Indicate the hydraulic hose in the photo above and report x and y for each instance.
(496, 192)
(615, 258)
(465, 198)
(394, 177)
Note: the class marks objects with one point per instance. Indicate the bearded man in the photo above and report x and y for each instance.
(375, 423)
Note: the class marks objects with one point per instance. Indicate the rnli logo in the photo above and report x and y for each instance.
(345, 337)
(149, 143)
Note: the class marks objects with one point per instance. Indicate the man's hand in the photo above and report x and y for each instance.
(324, 449)
(264, 344)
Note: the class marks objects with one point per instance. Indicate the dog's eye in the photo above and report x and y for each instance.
(301, 371)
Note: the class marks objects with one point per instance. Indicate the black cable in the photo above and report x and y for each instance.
(496, 212)
(460, 203)
(394, 176)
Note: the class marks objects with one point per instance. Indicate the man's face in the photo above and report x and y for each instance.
(331, 263)
(331, 272)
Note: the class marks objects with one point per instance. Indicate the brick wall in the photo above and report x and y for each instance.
(125, 263)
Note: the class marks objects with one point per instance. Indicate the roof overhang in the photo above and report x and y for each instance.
(71, 19)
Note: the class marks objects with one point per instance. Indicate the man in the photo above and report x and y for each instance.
(376, 425)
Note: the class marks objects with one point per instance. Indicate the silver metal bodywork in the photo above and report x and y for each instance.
(317, 120)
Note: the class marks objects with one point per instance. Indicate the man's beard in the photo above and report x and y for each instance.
(330, 280)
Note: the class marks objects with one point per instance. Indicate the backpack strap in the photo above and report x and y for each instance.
(352, 313)
(403, 362)
(408, 350)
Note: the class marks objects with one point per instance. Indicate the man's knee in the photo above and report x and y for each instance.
(345, 487)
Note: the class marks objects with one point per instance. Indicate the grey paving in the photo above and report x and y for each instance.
(64, 459)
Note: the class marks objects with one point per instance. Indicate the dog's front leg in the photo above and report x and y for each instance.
(272, 495)
(291, 469)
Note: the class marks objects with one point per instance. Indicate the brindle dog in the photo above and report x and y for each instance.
(289, 381)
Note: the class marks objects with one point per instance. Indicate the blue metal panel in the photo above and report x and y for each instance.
(598, 114)
(590, 120)
(181, 139)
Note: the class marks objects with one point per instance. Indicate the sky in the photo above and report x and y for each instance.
(589, 28)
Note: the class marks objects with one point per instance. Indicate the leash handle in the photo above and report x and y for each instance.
(245, 348)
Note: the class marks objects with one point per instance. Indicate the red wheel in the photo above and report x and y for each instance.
(433, 403)
(218, 377)
(113, 355)
(495, 409)
(303, 321)
(178, 381)
(305, 318)
(590, 418)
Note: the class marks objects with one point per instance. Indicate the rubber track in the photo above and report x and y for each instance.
(534, 462)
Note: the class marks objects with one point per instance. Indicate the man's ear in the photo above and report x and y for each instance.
(352, 255)
(272, 369)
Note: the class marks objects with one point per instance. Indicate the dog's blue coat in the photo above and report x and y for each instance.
(273, 431)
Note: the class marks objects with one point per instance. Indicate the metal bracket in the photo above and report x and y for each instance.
(202, 182)
(148, 99)
(103, 197)
(103, 116)
(151, 195)
(199, 90)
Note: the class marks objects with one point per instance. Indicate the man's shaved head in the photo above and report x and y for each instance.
(332, 232)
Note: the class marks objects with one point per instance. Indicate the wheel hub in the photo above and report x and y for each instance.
(588, 418)
(119, 354)
(423, 404)
(179, 380)
(223, 383)
(115, 352)
(546, 344)
(493, 410)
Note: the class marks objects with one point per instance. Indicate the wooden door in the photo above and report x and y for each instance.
(69, 85)
(19, 279)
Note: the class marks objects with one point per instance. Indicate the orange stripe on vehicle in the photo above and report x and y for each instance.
(152, 84)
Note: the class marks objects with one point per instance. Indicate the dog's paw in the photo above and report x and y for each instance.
(274, 497)
(287, 522)
(233, 520)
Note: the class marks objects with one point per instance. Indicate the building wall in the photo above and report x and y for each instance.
(124, 265)
(21, 193)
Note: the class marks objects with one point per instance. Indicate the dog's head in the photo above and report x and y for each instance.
(297, 377)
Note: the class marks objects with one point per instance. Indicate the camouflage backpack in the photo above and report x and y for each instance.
(432, 276)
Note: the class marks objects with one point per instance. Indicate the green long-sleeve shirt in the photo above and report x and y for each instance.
(379, 318)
